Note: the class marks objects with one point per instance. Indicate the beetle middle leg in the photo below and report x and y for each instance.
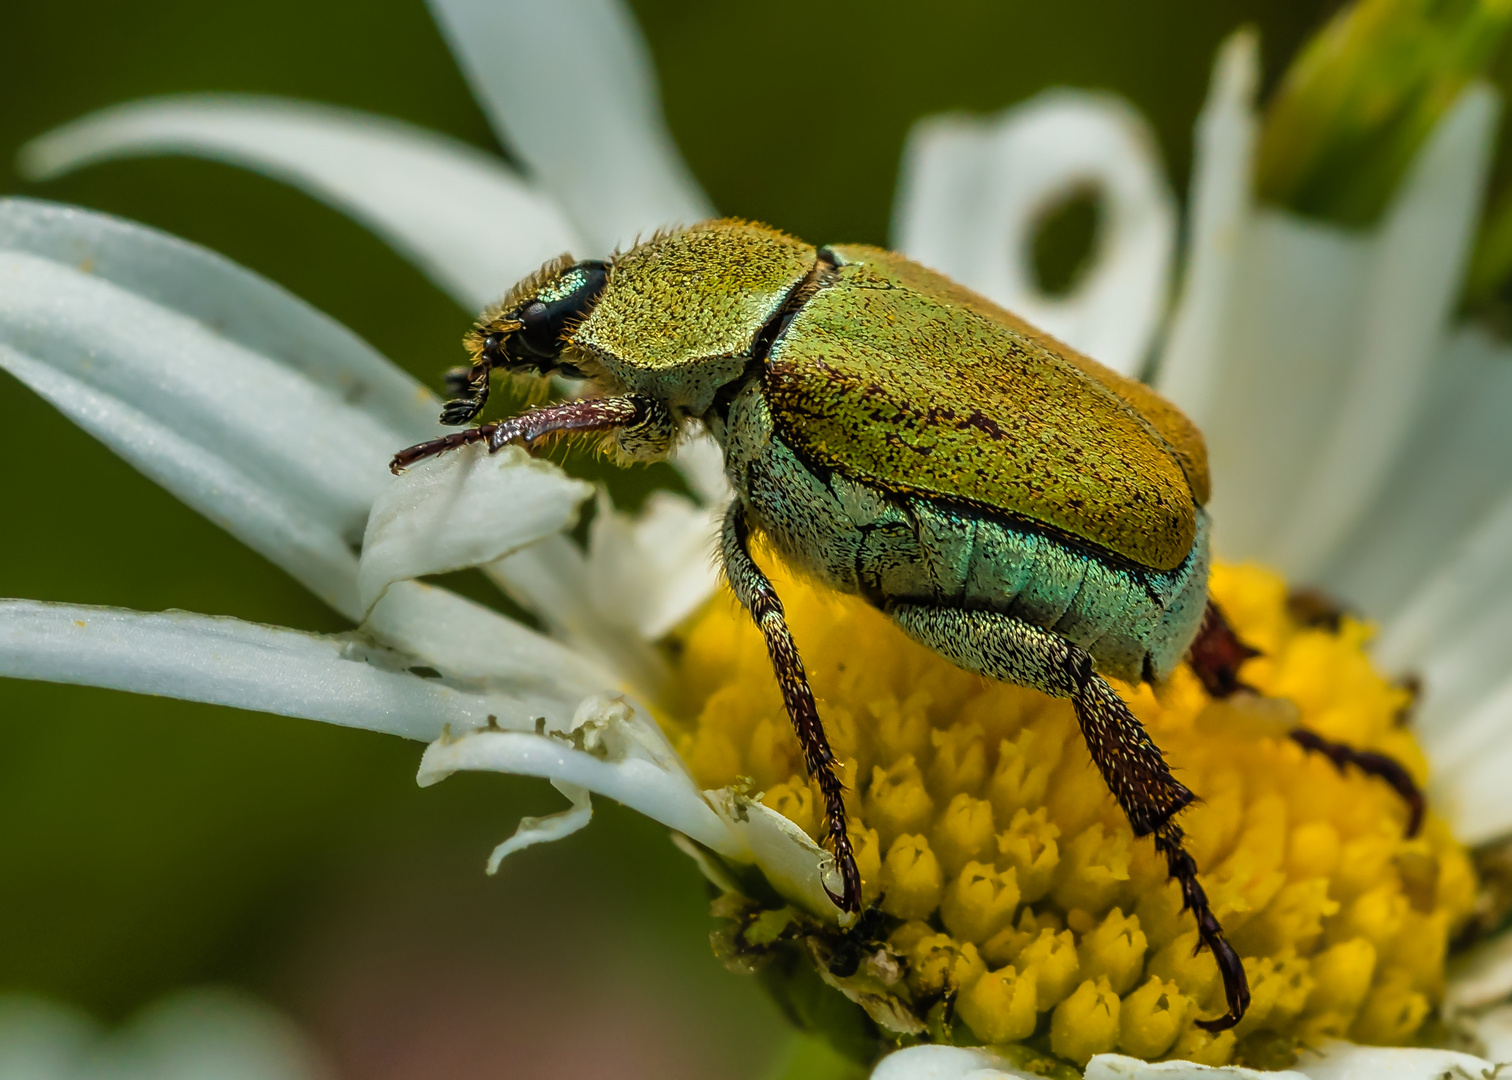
(1006, 648)
(755, 592)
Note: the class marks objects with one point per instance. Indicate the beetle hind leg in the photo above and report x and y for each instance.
(755, 592)
(1370, 763)
(1005, 648)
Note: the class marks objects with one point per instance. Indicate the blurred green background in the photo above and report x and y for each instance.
(149, 843)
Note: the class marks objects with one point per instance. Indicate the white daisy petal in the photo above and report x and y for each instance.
(1421, 250)
(657, 566)
(569, 85)
(462, 216)
(256, 426)
(701, 462)
(241, 307)
(1403, 561)
(200, 1034)
(1328, 334)
(338, 679)
(40, 1040)
(971, 194)
(461, 509)
(1480, 976)
(1493, 1030)
(792, 863)
(470, 641)
(552, 579)
(1119, 1067)
(1345, 1061)
(1221, 201)
(944, 1063)
(311, 550)
(207, 1034)
(552, 827)
(1471, 763)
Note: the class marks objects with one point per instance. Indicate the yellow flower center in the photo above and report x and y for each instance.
(1019, 897)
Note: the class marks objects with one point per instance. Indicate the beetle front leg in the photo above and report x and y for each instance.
(754, 590)
(1013, 651)
(568, 418)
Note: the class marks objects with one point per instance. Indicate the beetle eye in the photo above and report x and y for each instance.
(535, 317)
(492, 342)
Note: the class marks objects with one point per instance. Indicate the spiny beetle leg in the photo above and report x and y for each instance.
(1371, 764)
(1183, 868)
(1217, 653)
(1131, 764)
(754, 590)
(570, 417)
(1142, 783)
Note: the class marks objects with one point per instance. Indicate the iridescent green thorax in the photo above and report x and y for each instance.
(900, 379)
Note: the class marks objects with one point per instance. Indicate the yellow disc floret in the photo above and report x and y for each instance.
(1014, 886)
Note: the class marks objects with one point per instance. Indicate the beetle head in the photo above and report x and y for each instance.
(527, 333)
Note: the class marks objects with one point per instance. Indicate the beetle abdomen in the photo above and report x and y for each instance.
(895, 548)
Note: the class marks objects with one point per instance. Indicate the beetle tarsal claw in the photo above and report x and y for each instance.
(1183, 869)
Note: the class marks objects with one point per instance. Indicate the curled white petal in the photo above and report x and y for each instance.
(468, 221)
(972, 193)
(339, 679)
(547, 829)
(461, 509)
(944, 1063)
(569, 85)
(1119, 1067)
(1418, 263)
(663, 795)
(1221, 201)
(1345, 1061)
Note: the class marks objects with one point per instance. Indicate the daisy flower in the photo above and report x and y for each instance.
(1015, 910)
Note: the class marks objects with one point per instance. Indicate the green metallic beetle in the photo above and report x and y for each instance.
(1013, 505)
